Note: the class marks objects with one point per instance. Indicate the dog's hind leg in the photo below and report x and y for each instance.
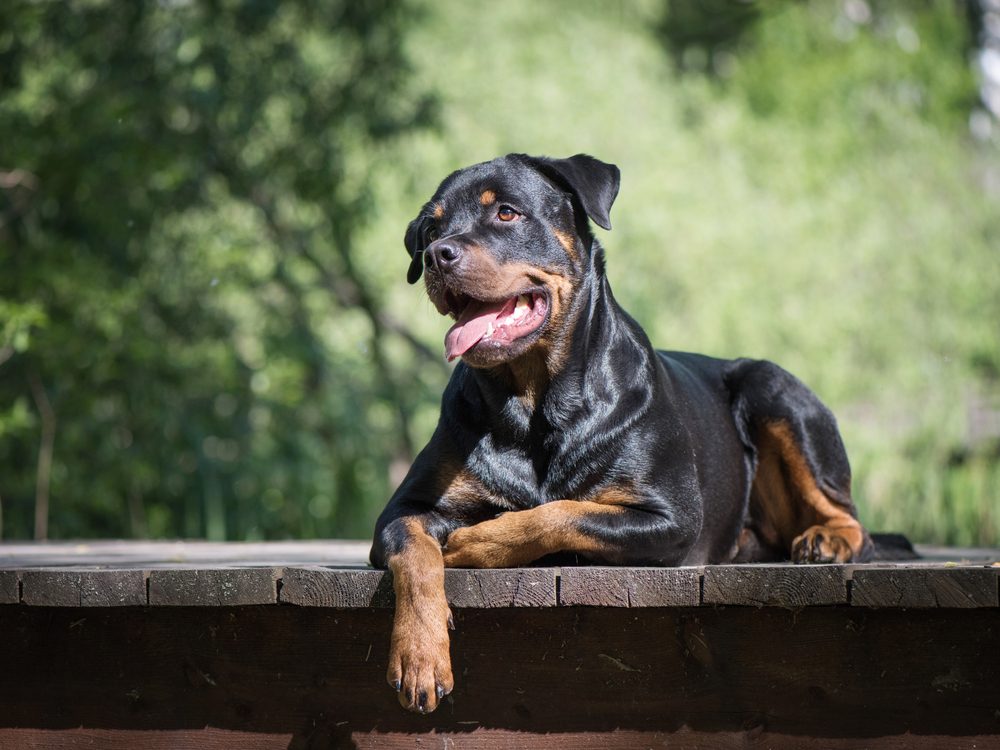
(800, 497)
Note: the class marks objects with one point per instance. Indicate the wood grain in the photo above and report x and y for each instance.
(9, 587)
(314, 586)
(326, 587)
(629, 587)
(83, 588)
(924, 587)
(483, 738)
(513, 587)
(156, 554)
(495, 739)
(208, 738)
(215, 587)
(789, 586)
(329, 552)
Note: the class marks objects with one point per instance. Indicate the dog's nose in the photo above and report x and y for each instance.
(442, 256)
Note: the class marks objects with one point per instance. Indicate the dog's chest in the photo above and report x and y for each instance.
(524, 474)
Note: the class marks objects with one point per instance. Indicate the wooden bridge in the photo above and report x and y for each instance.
(284, 645)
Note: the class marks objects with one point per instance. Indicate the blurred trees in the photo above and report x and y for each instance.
(182, 321)
(877, 181)
(204, 327)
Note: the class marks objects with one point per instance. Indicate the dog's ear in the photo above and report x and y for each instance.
(594, 182)
(414, 241)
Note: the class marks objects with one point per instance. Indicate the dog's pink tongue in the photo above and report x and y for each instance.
(473, 324)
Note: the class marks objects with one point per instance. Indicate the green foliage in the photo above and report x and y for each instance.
(196, 177)
(202, 205)
(798, 185)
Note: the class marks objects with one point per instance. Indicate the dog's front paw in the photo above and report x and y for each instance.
(420, 664)
(479, 546)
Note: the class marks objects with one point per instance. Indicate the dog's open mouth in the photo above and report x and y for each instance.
(500, 322)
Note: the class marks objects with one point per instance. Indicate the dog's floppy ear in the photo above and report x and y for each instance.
(594, 182)
(414, 241)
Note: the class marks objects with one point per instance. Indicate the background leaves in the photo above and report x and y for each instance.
(202, 205)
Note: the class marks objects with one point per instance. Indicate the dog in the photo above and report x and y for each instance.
(563, 430)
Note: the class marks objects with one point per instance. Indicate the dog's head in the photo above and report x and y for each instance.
(503, 246)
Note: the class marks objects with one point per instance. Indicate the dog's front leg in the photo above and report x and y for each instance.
(601, 531)
(419, 660)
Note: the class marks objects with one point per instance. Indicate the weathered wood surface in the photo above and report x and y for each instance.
(334, 574)
(924, 587)
(284, 645)
(531, 677)
(174, 554)
(630, 587)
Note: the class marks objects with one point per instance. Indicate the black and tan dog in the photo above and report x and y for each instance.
(563, 431)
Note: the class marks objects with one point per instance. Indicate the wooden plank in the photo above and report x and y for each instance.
(924, 587)
(325, 587)
(977, 555)
(516, 587)
(338, 552)
(9, 587)
(475, 738)
(222, 587)
(83, 588)
(484, 738)
(789, 586)
(150, 554)
(629, 587)
(208, 738)
(548, 677)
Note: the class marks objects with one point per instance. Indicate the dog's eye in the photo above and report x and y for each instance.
(433, 234)
(506, 213)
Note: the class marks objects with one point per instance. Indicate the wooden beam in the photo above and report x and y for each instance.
(545, 677)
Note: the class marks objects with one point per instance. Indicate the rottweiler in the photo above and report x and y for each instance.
(563, 431)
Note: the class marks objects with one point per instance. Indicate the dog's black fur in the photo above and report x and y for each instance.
(664, 458)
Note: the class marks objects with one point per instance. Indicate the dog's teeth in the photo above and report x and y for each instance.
(489, 331)
(522, 306)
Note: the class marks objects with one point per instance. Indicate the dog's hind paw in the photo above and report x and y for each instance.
(829, 544)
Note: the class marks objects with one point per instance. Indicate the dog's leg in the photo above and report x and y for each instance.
(800, 498)
(608, 533)
(821, 518)
(419, 660)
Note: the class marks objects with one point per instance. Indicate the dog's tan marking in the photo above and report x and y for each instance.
(614, 495)
(791, 512)
(438, 211)
(488, 197)
(419, 659)
(520, 537)
(568, 242)
(529, 375)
